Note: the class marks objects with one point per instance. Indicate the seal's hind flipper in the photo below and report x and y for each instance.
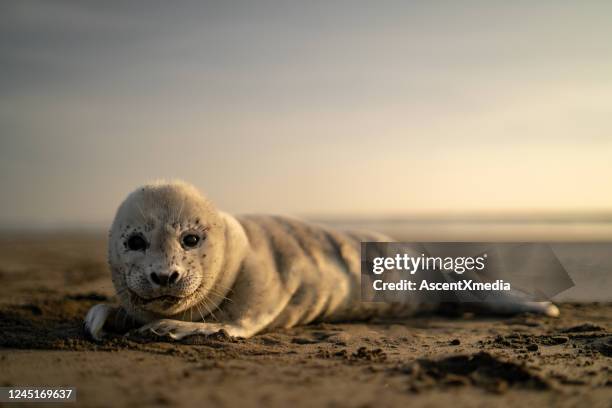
(502, 304)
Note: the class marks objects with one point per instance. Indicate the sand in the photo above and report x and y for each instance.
(50, 281)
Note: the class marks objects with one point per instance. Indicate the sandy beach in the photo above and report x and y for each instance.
(49, 282)
(430, 122)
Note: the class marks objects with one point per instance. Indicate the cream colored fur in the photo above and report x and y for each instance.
(249, 273)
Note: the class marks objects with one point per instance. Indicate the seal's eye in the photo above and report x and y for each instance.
(190, 240)
(136, 243)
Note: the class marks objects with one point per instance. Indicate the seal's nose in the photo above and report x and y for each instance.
(165, 278)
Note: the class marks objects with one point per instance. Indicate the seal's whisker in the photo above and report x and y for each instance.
(208, 309)
(219, 286)
(218, 307)
(218, 290)
(144, 218)
(220, 295)
(178, 217)
(200, 311)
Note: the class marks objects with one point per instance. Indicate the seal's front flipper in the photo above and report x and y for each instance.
(178, 330)
(95, 319)
(106, 317)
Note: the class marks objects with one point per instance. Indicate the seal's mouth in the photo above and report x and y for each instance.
(164, 303)
(163, 300)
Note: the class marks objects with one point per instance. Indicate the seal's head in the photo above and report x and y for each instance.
(166, 249)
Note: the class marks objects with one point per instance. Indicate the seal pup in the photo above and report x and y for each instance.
(181, 267)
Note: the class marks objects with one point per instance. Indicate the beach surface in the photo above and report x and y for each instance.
(49, 282)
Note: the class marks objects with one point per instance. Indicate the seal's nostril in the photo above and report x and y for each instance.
(155, 278)
(165, 279)
(174, 277)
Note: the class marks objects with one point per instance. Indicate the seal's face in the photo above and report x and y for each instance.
(165, 249)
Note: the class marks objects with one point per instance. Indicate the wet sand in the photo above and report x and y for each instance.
(49, 282)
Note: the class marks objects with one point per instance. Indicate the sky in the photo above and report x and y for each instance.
(353, 108)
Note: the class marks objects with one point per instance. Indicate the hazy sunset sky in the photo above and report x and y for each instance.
(312, 107)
